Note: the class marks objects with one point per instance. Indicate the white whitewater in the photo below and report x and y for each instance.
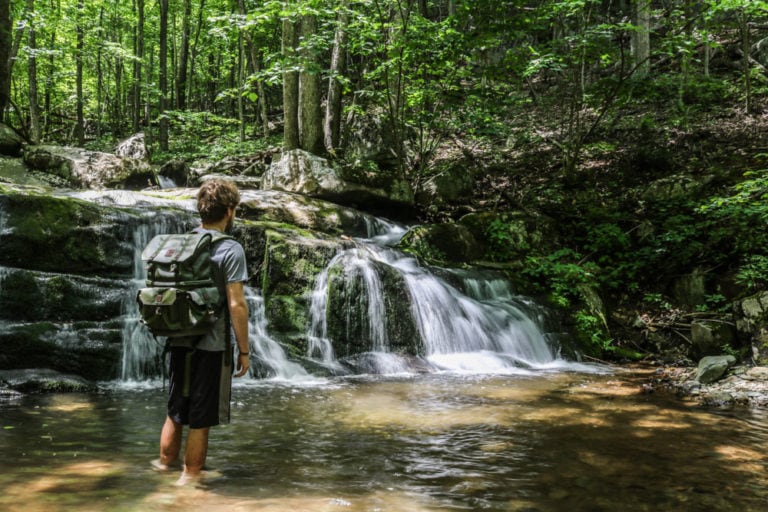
(483, 328)
(473, 324)
(264, 348)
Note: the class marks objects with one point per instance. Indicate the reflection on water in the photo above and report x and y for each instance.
(547, 442)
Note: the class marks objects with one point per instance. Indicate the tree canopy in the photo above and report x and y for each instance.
(77, 72)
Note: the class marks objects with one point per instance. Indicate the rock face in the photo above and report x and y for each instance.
(11, 142)
(442, 243)
(68, 270)
(303, 173)
(79, 168)
(751, 315)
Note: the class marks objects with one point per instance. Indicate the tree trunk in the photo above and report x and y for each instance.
(241, 84)
(641, 39)
(290, 87)
(310, 95)
(745, 47)
(338, 68)
(137, 64)
(34, 107)
(5, 61)
(99, 81)
(181, 76)
(193, 55)
(79, 131)
(255, 57)
(163, 104)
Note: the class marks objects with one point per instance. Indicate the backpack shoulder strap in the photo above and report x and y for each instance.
(215, 235)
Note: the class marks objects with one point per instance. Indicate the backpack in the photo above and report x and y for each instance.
(181, 298)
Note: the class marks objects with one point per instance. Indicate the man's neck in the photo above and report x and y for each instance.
(218, 226)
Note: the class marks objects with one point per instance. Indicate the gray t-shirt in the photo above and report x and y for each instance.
(229, 266)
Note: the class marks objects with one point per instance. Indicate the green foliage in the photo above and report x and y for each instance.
(591, 333)
(506, 239)
(559, 274)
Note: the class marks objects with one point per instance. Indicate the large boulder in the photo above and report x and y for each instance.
(304, 173)
(133, 147)
(64, 234)
(11, 142)
(79, 168)
(713, 368)
(305, 212)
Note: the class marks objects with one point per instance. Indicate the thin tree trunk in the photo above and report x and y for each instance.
(241, 84)
(256, 63)
(745, 47)
(641, 39)
(137, 65)
(338, 68)
(163, 104)
(181, 76)
(34, 107)
(79, 130)
(290, 87)
(99, 81)
(5, 62)
(310, 95)
(193, 55)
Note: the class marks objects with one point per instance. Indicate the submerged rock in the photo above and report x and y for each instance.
(42, 380)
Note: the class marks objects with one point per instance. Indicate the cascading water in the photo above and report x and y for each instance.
(485, 328)
(266, 350)
(477, 325)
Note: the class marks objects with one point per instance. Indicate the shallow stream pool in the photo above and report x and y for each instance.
(560, 441)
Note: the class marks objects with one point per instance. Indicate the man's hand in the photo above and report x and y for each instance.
(243, 363)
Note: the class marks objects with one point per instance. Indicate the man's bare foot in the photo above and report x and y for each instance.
(171, 466)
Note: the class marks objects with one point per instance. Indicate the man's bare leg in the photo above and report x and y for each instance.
(196, 450)
(170, 443)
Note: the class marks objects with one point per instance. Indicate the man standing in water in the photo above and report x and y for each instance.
(209, 382)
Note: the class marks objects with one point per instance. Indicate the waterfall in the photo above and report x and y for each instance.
(266, 350)
(483, 327)
(142, 353)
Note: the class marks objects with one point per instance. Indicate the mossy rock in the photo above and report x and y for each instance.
(79, 349)
(27, 295)
(352, 310)
(298, 211)
(441, 244)
(65, 235)
(287, 314)
(292, 262)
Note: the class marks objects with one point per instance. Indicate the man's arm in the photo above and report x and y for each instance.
(238, 314)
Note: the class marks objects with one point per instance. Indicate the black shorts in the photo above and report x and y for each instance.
(200, 388)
